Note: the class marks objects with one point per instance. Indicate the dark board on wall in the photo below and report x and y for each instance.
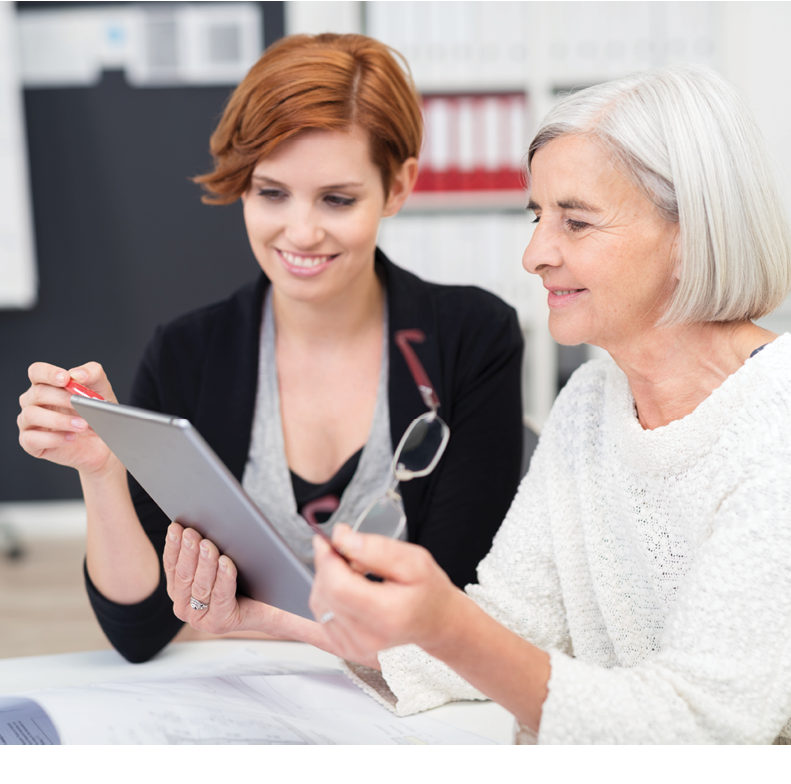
(123, 241)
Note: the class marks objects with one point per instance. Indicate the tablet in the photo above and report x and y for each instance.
(192, 486)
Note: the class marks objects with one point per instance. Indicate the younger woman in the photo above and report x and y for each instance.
(296, 381)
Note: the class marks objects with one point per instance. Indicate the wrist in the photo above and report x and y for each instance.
(455, 618)
(110, 470)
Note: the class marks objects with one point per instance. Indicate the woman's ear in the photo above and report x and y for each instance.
(401, 186)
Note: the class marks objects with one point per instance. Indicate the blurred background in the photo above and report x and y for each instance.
(105, 114)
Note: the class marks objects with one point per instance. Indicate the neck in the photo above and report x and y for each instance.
(671, 371)
(341, 319)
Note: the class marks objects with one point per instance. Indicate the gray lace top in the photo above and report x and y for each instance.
(266, 477)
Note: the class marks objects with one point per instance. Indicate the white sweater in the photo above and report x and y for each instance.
(653, 565)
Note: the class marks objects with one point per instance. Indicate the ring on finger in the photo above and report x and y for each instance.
(196, 604)
(327, 616)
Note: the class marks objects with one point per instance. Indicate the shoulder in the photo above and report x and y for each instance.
(207, 336)
(461, 301)
(454, 314)
(192, 333)
(191, 355)
(772, 366)
(243, 305)
(758, 401)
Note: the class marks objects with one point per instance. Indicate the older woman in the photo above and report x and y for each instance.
(639, 589)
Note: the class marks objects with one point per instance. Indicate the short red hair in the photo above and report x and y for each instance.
(315, 82)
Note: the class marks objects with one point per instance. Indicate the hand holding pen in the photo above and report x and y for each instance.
(50, 428)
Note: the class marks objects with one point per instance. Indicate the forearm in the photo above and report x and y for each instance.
(121, 560)
(506, 668)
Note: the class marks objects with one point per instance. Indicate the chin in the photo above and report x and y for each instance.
(566, 336)
(570, 330)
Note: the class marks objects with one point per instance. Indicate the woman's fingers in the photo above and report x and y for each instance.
(195, 569)
(92, 375)
(50, 411)
(170, 556)
(388, 558)
(44, 373)
(407, 606)
(341, 590)
(205, 573)
(48, 425)
(224, 593)
(184, 573)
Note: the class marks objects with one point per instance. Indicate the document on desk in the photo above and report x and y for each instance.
(23, 722)
(266, 703)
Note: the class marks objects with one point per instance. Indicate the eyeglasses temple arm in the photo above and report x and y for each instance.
(402, 338)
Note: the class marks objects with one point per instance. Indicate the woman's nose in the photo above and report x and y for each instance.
(304, 230)
(541, 251)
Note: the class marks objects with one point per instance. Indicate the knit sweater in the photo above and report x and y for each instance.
(653, 565)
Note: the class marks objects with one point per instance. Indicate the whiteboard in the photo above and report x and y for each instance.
(18, 278)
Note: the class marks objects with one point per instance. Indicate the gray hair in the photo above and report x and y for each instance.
(686, 140)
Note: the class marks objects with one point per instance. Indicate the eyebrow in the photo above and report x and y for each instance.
(260, 178)
(568, 204)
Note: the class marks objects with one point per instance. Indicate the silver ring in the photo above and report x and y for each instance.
(327, 617)
(197, 605)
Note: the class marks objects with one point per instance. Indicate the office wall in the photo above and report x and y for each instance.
(123, 241)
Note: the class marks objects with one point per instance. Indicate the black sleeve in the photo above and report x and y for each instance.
(477, 478)
(140, 631)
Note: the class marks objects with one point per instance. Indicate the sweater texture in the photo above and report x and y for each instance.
(653, 565)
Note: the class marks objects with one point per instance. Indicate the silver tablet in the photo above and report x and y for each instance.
(191, 485)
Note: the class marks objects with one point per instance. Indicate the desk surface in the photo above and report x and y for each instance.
(78, 669)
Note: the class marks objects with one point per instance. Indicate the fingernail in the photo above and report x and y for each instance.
(71, 436)
(60, 378)
(79, 375)
(173, 536)
(204, 549)
(187, 542)
(223, 564)
(80, 424)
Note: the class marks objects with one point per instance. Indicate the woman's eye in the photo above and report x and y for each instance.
(339, 201)
(272, 194)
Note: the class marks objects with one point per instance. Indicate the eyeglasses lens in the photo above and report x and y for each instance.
(422, 444)
(384, 517)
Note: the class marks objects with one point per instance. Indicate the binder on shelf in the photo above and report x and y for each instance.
(474, 142)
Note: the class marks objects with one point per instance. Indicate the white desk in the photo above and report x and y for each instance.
(78, 669)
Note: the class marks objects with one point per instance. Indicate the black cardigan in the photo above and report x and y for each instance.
(204, 367)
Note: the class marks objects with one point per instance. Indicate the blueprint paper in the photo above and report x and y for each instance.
(245, 700)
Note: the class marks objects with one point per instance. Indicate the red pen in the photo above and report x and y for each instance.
(79, 389)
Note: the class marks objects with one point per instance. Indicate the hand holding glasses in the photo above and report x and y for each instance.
(417, 454)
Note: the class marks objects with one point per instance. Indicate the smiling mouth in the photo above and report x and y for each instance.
(559, 293)
(306, 262)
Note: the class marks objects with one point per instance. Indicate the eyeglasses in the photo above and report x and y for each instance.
(417, 454)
